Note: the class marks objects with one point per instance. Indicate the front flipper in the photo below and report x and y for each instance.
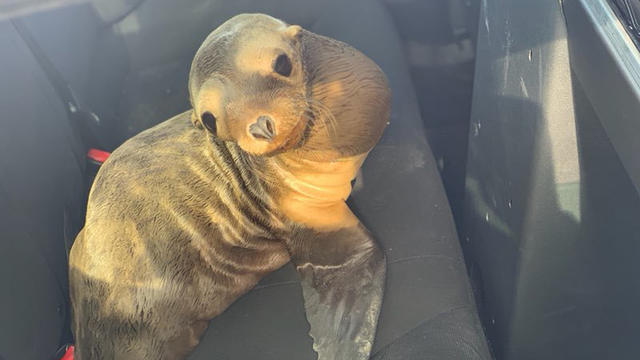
(342, 275)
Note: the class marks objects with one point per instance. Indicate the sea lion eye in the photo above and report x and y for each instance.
(209, 122)
(282, 65)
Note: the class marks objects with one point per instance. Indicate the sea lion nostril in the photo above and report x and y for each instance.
(263, 128)
(209, 122)
(269, 125)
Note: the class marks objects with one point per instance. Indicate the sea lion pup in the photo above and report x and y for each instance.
(183, 219)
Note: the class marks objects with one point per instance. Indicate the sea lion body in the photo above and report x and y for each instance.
(183, 220)
(163, 252)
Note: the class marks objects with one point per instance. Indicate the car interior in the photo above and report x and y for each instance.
(504, 192)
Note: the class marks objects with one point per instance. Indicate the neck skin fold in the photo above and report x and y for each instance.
(313, 192)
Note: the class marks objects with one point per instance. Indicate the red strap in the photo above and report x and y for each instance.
(69, 354)
(98, 155)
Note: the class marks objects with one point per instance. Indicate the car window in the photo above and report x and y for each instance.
(629, 12)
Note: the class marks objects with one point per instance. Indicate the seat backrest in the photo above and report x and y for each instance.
(521, 228)
(40, 177)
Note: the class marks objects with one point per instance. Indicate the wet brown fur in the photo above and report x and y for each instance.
(180, 223)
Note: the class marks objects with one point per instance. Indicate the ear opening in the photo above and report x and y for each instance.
(195, 120)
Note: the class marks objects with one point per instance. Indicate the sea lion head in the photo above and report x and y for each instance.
(273, 88)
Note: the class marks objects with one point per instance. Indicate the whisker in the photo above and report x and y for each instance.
(326, 115)
(314, 121)
(314, 114)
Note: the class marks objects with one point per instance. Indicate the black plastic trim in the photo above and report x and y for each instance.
(606, 62)
(629, 11)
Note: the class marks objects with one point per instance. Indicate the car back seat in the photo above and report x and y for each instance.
(428, 311)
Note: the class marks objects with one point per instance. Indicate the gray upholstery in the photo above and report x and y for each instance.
(137, 77)
(39, 177)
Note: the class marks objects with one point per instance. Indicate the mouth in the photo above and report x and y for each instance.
(294, 139)
(298, 135)
(264, 137)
